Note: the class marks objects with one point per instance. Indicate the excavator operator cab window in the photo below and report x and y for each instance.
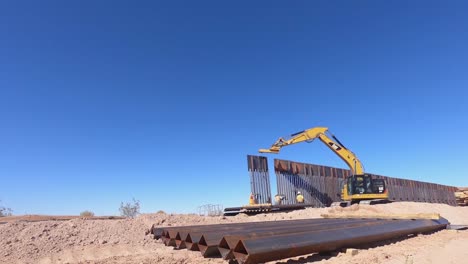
(367, 184)
(360, 184)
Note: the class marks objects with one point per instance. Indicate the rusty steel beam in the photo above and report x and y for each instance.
(174, 236)
(168, 240)
(160, 232)
(157, 232)
(180, 239)
(256, 209)
(167, 233)
(228, 242)
(256, 242)
(209, 242)
(194, 236)
(192, 244)
(188, 236)
(263, 249)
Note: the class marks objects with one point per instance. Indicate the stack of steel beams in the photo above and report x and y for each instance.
(264, 208)
(258, 242)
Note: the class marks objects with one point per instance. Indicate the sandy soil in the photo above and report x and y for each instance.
(108, 241)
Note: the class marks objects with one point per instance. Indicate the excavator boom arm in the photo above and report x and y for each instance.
(319, 132)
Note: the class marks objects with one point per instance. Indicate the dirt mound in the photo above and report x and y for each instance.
(26, 242)
(455, 215)
(127, 241)
(36, 218)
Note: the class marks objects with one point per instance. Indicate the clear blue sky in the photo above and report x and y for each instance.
(102, 101)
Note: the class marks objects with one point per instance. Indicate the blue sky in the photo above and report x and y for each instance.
(102, 101)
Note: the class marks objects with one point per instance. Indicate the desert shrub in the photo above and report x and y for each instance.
(130, 209)
(4, 211)
(86, 214)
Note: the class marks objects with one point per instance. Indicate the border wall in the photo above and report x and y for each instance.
(259, 178)
(321, 185)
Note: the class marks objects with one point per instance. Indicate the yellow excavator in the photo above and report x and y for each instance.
(357, 188)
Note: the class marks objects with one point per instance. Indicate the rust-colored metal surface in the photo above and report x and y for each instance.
(321, 185)
(259, 179)
(258, 242)
(209, 243)
(290, 245)
(189, 236)
(192, 234)
(264, 208)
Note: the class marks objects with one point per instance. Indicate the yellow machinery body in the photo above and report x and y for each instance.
(359, 186)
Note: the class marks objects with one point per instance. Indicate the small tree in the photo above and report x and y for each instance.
(4, 211)
(129, 209)
(86, 214)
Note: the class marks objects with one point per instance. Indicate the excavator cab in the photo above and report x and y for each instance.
(365, 184)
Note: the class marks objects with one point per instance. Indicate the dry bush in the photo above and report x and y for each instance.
(86, 214)
(211, 210)
(130, 209)
(4, 211)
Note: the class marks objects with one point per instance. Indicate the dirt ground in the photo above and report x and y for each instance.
(34, 218)
(106, 241)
